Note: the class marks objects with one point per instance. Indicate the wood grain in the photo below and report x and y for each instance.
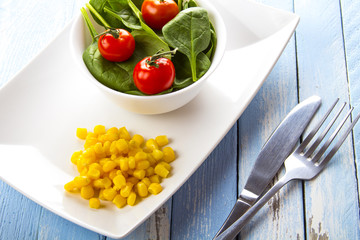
(331, 200)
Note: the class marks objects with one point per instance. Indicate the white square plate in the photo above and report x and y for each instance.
(40, 109)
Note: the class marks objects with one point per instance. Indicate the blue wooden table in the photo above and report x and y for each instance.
(321, 58)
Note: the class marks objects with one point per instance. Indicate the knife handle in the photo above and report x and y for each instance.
(238, 210)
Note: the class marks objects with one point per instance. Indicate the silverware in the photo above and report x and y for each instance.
(302, 164)
(272, 156)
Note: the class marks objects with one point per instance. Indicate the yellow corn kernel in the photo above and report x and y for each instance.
(110, 136)
(81, 133)
(140, 156)
(71, 187)
(113, 130)
(151, 159)
(126, 190)
(149, 171)
(161, 171)
(99, 150)
(155, 188)
(119, 181)
(84, 171)
(166, 165)
(132, 162)
(94, 203)
(89, 155)
(132, 180)
(138, 139)
(133, 144)
(98, 183)
(157, 154)
(93, 173)
(146, 181)
(101, 195)
(87, 192)
(119, 201)
(106, 148)
(155, 179)
(142, 165)
(81, 164)
(162, 140)
(122, 146)
(109, 194)
(169, 154)
(124, 134)
(90, 141)
(109, 165)
(124, 164)
(99, 129)
(139, 174)
(75, 156)
(107, 182)
(113, 174)
(113, 148)
(131, 199)
(81, 181)
(142, 189)
(151, 144)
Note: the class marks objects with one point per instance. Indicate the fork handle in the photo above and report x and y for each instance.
(233, 230)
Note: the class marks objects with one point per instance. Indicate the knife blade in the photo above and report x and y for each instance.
(272, 155)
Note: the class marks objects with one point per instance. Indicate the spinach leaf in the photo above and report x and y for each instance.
(118, 75)
(96, 8)
(126, 16)
(190, 32)
(188, 4)
(183, 76)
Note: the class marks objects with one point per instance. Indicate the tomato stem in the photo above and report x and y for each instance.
(113, 31)
(159, 54)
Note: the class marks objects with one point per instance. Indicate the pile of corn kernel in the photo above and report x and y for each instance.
(117, 167)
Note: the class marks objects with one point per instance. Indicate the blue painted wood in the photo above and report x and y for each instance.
(351, 31)
(282, 217)
(331, 199)
(204, 201)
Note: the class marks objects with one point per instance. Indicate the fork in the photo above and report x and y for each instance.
(302, 164)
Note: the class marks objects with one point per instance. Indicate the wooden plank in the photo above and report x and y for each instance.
(351, 31)
(331, 199)
(282, 217)
(204, 201)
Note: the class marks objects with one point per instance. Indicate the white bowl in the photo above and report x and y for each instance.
(80, 40)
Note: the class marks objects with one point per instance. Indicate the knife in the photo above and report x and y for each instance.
(271, 157)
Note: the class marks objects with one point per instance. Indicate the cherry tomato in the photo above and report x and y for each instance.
(154, 76)
(117, 46)
(157, 13)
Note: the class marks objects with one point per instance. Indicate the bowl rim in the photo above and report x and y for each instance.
(219, 52)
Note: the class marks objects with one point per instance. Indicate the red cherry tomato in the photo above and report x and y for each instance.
(151, 79)
(157, 13)
(116, 49)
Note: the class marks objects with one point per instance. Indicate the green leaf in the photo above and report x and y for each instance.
(190, 32)
(118, 75)
(126, 16)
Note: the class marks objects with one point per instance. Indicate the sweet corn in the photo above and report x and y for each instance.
(139, 174)
(118, 167)
(87, 192)
(142, 165)
(157, 154)
(162, 140)
(99, 129)
(126, 190)
(109, 165)
(131, 199)
(109, 194)
(81, 133)
(94, 203)
(142, 189)
(155, 188)
(169, 154)
(151, 144)
(119, 201)
(161, 170)
(124, 134)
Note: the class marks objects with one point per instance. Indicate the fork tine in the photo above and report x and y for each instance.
(307, 140)
(339, 143)
(331, 138)
(323, 134)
